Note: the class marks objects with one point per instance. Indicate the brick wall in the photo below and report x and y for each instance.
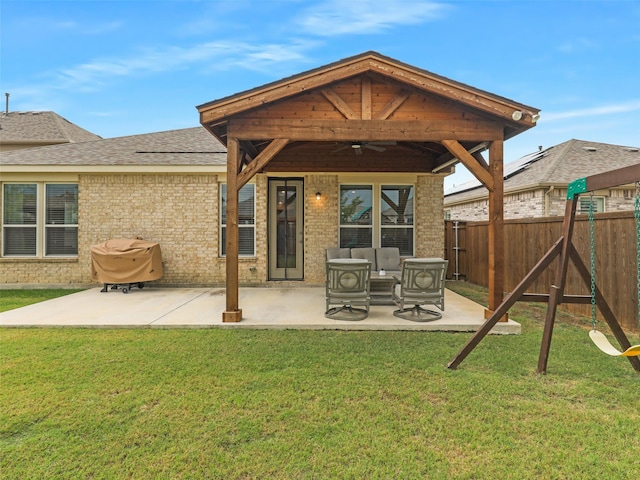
(180, 212)
(321, 224)
(429, 222)
(538, 203)
(621, 200)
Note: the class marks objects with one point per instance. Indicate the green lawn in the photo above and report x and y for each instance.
(240, 404)
(10, 299)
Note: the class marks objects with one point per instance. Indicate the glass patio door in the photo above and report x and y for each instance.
(286, 229)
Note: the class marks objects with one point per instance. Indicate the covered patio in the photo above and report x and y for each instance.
(367, 115)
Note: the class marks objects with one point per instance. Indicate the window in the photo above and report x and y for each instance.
(32, 227)
(356, 216)
(396, 217)
(585, 202)
(246, 220)
(377, 217)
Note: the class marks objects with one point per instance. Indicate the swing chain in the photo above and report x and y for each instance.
(592, 250)
(637, 217)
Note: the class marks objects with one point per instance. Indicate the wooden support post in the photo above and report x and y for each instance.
(232, 312)
(557, 289)
(496, 229)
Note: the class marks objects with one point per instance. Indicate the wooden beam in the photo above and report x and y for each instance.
(544, 297)
(393, 104)
(236, 104)
(261, 161)
(557, 288)
(365, 130)
(469, 161)
(345, 163)
(249, 148)
(339, 103)
(232, 312)
(366, 98)
(613, 178)
(457, 92)
(419, 79)
(496, 227)
(480, 159)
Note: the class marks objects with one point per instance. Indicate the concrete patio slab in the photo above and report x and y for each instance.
(276, 308)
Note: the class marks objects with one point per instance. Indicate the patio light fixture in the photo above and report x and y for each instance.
(318, 196)
(518, 114)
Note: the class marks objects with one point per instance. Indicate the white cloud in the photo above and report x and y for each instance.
(576, 45)
(631, 106)
(340, 17)
(94, 75)
(43, 25)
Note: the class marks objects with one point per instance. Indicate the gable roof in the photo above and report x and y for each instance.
(216, 111)
(419, 117)
(185, 147)
(555, 166)
(41, 128)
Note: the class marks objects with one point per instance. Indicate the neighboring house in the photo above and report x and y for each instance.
(383, 189)
(34, 129)
(536, 184)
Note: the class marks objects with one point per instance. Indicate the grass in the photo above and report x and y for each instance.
(10, 299)
(240, 404)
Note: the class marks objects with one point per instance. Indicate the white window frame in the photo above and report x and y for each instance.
(412, 225)
(41, 227)
(376, 206)
(370, 226)
(223, 226)
(598, 200)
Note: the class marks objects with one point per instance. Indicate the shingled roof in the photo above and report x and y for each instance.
(185, 147)
(40, 128)
(558, 166)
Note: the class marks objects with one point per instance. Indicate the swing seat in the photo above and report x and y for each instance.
(602, 342)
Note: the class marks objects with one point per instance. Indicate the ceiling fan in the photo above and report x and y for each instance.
(358, 146)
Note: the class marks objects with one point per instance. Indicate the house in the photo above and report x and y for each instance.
(34, 129)
(536, 184)
(352, 153)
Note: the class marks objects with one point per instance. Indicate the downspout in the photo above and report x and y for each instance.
(547, 201)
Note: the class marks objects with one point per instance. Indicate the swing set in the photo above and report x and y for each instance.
(566, 251)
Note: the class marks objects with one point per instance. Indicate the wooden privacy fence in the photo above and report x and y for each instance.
(527, 240)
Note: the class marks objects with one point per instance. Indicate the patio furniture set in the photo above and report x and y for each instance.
(360, 277)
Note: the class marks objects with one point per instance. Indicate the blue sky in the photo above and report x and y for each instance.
(128, 67)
